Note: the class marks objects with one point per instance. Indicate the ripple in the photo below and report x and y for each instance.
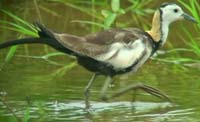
(111, 111)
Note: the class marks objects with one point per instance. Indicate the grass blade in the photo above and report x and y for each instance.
(19, 20)
(11, 53)
(115, 5)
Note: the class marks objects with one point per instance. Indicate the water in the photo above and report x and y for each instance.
(31, 84)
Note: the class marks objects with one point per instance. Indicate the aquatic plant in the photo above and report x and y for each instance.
(193, 7)
(20, 26)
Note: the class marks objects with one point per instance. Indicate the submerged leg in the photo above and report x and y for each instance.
(146, 88)
(105, 88)
(87, 91)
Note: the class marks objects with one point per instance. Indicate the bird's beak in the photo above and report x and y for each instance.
(188, 17)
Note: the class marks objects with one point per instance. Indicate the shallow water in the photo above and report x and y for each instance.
(114, 111)
(32, 85)
(61, 98)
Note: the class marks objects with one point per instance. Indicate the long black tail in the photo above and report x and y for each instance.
(45, 37)
(21, 41)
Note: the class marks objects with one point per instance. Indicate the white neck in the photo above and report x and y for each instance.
(164, 32)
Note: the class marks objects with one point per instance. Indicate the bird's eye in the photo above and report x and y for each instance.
(175, 10)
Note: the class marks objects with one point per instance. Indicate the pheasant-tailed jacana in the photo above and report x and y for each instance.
(114, 51)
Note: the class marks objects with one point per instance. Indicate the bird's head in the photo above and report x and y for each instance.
(170, 12)
(163, 17)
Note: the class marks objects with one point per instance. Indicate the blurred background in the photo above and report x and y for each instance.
(42, 84)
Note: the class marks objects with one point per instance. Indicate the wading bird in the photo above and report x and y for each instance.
(115, 51)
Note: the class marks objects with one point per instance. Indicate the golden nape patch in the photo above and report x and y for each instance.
(155, 31)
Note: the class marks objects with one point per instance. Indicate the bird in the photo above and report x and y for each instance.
(114, 51)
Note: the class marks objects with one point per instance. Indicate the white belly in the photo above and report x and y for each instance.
(122, 56)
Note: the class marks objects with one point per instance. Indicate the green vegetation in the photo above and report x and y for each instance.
(98, 15)
(20, 26)
(26, 116)
(193, 7)
(28, 29)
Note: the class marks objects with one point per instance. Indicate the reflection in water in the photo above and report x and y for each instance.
(113, 111)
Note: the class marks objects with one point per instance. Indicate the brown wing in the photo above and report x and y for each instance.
(114, 35)
(80, 45)
(98, 43)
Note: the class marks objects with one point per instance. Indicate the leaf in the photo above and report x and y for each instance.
(60, 72)
(19, 20)
(19, 28)
(11, 53)
(26, 115)
(115, 5)
(121, 11)
(105, 13)
(109, 20)
(22, 26)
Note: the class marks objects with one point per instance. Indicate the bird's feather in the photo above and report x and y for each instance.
(98, 43)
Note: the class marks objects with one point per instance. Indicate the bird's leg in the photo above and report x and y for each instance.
(112, 83)
(103, 95)
(146, 88)
(87, 91)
